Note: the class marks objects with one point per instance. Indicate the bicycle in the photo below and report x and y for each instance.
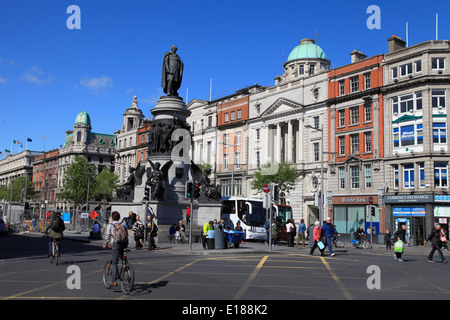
(356, 243)
(55, 252)
(125, 272)
(338, 243)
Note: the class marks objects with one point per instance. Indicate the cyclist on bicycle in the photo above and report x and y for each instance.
(358, 234)
(56, 227)
(116, 233)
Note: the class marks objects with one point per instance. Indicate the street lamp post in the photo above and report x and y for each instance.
(321, 217)
(232, 164)
(322, 152)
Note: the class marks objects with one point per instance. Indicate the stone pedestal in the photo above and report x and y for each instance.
(170, 115)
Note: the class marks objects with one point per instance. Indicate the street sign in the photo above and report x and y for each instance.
(93, 215)
(266, 188)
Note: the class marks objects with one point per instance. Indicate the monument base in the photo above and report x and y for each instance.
(166, 214)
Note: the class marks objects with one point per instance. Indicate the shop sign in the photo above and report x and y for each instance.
(442, 198)
(441, 211)
(408, 198)
(354, 200)
(408, 211)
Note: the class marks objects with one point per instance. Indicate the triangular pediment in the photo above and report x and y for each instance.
(282, 106)
(352, 158)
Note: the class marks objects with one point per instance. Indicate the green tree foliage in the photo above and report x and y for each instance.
(105, 185)
(18, 190)
(79, 175)
(286, 177)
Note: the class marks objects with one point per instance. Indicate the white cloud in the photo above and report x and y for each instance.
(36, 75)
(97, 83)
(11, 62)
(2, 80)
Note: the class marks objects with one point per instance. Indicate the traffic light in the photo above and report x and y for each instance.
(146, 192)
(275, 193)
(189, 189)
(372, 210)
(196, 190)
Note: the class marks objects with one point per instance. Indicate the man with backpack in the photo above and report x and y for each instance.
(55, 229)
(117, 235)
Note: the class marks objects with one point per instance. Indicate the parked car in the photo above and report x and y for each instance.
(3, 227)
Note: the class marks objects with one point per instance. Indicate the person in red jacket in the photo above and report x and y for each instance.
(316, 238)
(188, 214)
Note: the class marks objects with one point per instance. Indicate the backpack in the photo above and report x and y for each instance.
(155, 230)
(119, 234)
(55, 225)
(139, 231)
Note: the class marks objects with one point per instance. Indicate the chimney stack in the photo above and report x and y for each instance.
(396, 43)
(357, 56)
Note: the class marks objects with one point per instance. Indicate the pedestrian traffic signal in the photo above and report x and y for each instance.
(146, 192)
(196, 190)
(275, 193)
(189, 189)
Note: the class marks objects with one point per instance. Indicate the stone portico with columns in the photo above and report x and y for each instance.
(276, 127)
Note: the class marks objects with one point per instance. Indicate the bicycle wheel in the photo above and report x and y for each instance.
(52, 257)
(56, 254)
(127, 277)
(107, 274)
(366, 245)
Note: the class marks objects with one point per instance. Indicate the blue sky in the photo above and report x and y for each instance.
(48, 73)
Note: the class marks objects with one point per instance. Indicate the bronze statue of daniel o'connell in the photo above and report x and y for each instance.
(172, 72)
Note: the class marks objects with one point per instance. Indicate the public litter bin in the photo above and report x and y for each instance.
(219, 237)
(210, 235)
(234, 237)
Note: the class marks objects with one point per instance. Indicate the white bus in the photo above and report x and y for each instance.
(252, 216)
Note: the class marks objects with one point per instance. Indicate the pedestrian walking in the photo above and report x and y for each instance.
(182, 229)
(444, 240)
(436, 243)
(328, 231)
(208, 226)
(316, 239)
(188, 214)
(290, 234)
(138, 229)
(310, 236)
(401, 233)
(387, 239)
(172, 231)
(398, 250)
(301, 233)
(151, 232)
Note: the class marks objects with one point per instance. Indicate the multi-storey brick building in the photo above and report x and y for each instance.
(356, 145)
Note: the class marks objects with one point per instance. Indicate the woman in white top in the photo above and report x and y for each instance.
(290, 233)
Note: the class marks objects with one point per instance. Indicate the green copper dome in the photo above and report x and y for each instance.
(83, 119)
(307, 49)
